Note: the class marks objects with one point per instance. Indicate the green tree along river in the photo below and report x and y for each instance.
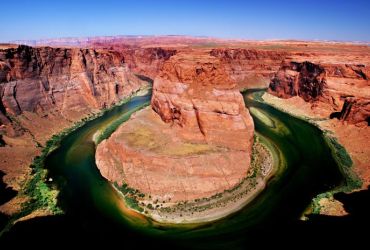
(94, 209)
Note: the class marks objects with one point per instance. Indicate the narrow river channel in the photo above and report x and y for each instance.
(308, 169)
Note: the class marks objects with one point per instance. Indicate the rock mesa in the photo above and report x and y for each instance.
(195, 141)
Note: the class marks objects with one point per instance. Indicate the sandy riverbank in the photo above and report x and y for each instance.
(353, 138)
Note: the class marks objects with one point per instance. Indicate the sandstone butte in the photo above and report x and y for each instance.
(48, 87)
(195, 142)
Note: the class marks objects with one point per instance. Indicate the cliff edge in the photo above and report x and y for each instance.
(194, 142)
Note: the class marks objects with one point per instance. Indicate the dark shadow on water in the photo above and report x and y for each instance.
(345, 230)
(319, 230)
(333, 230)
(6, 194)
(3, 220)
(145, 78)
(66, 231)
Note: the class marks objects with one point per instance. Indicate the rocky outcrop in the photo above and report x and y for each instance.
(44, 90)
(305, 79)
(70, 80)
(250, 67)
(196, 144)
(153, 157)
(146, 61)
(340, 89)
(355, 111)
(348, 71)
(197, 95)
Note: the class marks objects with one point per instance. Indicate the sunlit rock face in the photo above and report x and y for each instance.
(70, 80)
(339, 89)
(194, 141)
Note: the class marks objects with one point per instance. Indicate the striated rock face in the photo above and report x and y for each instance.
(147, 61)
(72, 81)
(250, 67)
(198, 96)
(195, 141)
(151, 156)
(355, 111)
(303, 79)
(358, 71)
(44, 90)
(340, 90)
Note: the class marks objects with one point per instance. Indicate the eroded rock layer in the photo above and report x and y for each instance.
(70, 80)
(340, 90)
(195, 142)
(44, 90)
(250, 67)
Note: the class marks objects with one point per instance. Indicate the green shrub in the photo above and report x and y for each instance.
(344, 161)
(133, 203)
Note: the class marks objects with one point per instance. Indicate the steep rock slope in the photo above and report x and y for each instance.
(195, 141)
(146, 61)
(70, 80)
(340, 90)
(250, 67)
(334, 91)
(44, 90)
(197, 94)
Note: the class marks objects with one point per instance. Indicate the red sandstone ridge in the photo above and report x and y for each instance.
(146, 61)
(196, 94)
(340, 90)
(197, 142)
(69, 80)
(44, 90)
(250, 67)
(354, 110)
(303, 79)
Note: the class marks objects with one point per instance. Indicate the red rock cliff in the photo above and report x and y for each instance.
(196, 94)
(73, 81)
(303, 79)
(342, 87)
(44, 90)
(249, 67)
(197, 143)
(147, 61)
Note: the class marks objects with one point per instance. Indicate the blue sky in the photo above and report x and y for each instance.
(324, 20)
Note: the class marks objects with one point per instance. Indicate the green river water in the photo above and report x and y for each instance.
(307, 168)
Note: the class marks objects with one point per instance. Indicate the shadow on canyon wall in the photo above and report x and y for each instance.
(6, 194)
(319, 230)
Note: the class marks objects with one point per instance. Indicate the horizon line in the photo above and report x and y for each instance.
(19, 41)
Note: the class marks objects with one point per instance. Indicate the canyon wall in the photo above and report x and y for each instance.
(198, 94)
(196, 83)
(146, 61)
(72, 81)
(341, 89)
(194, 142)
(44, 90)
(250, 67)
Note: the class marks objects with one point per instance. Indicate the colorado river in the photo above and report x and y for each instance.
(86, 196)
